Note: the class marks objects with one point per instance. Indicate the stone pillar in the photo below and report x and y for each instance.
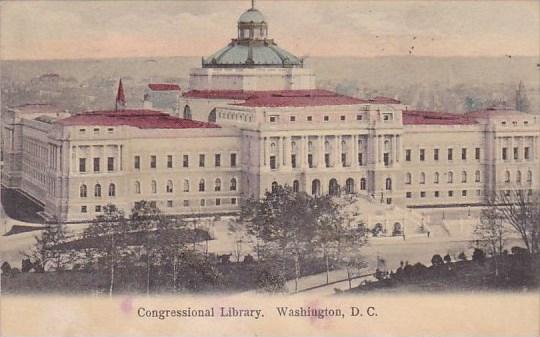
(279, 157)
(398, 148)
(286, 151)
(511, 150)
(394, 152)
(320, 151)
(301, 152)
(265, 151)
(262, 142)
(354, 157)
(336, 156)
(379, 149)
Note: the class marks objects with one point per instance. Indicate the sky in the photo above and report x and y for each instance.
(104, 29)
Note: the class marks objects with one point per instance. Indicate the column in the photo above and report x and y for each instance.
(354, 147)
(336, 157)
(265, 151)
(394, 152)
(398, 148)
(511, 150)
(306, 151)
(301, 152)
(320, 158)
(379, 149)
(280, 152)
(286, 151)
(121, 158)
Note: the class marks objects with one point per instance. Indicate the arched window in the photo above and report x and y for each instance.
(388, 184)
(201, 185)
(97, 190)
(217, 185)
(273, 148)
(422, 178)
(450, 177)
(326, 146)
(83, 191)
(333, 187)
(187, 112)
(169, 186)
(507, 176)
(296, 186)
(112, 190)
(274, 186)
(293, 147)
(343, 146)
(233, 184)
(436, 178)
(349, 186)
(408, 178)
(316, 187)
(529, 176)
(477, 176)
(310, 147)
(137, 187)
(154, 186)
(363, 184)
(212, 116)
(186, 185)
(464, 177)
(518, 177)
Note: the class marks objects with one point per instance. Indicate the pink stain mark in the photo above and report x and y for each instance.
(322, 323)
(126, 305)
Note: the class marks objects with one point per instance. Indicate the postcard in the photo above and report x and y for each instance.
(270, 168)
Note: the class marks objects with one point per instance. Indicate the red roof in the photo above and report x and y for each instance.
(415, 117)
(163, 86)
(278, 98)
(142, 119)
(493, 112)
(384, 100)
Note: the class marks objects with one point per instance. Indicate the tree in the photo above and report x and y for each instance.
(326, 213)
(47, 252)
(492, 233)
(437, 260)
(111, 229)
(284, 221)
(146, 218)
(521, 210)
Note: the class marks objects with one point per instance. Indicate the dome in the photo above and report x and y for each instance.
(252, 15)
(266, 55)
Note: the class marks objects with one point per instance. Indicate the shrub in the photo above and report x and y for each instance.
(270, 278)
(462, 256)
(447, 258)
(478, 255)
(437, 260)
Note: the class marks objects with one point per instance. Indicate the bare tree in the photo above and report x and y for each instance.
(521, 210)
(492, 233)
(48, 253)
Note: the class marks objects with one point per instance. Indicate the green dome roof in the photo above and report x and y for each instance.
(267, 54)
(252, 15)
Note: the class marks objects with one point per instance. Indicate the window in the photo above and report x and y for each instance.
(309, 118)
(185, 160)
(97, 208)
(436, 178)
(296, 186)
(388, 184)
(201, 185)
(233, 201)
(153, 161)
(186, 185)
(169, 203)
(477, 153)
(518, 177)
(274, 186)
(137, 162)
(310, 160)
(84, 209)
(422, 154)
(326, 118)
(408, 155)
(363, 184)
(408, 195)
(83, 191)
(408, 178)
(504, 153)
(203, 203)
(450, 177)
(292, 118)
(110, 130)
(233, 159)
(110, 164)
(201, 160)
(507, 176)
(169, 187)
(327, 159)
(186, 203)
(187, 112)
(217, 185)
(218, 202)
(97, 190)
(82, 131)
(360, 159)
(477, 176)
(342, 117)
(233, 184)
(464, 193)
(422, 178)
(529, 176)
(273, 162)
(422, 194)
(450, 154)
(217, 160)
(169, 161)
(435, 154)
(358, 117)
(463, 154)
(526, 153)
(137, 187)
(112, 190)
(82, 164)
(293, 160)
(97, 161)
(436, 194)
(450, 193)
(464, 177)
(96, 131)
(516, 153)
(154, 186)
(273, 119)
